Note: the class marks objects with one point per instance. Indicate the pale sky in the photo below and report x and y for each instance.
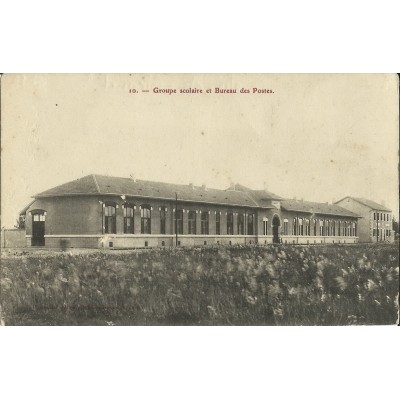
(319, 137)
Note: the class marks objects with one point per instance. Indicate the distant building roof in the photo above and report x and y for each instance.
(316, 208)
(369, 203)
(107, 185)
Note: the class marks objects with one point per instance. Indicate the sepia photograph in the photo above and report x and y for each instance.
(199, 199)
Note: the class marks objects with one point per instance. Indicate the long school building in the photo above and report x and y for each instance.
(101, 211)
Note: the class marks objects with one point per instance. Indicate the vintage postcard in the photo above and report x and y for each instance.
(199, 199)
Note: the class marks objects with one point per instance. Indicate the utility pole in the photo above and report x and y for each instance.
(176, 219)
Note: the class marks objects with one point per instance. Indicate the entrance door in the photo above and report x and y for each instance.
(38, 229)
(275, 229)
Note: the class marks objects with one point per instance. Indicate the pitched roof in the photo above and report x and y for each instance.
(25, 209)
(257, 195)
(85, 185)
(100, 184)
(316, 208)
(369, 203)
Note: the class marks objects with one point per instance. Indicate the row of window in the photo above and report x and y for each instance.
(322, 227)
(381, 232)
(145, 216)
(382, 216)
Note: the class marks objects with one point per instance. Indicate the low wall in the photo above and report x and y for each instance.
(13, 238)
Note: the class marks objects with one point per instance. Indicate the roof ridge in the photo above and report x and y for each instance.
(364, 201)
(95, 182)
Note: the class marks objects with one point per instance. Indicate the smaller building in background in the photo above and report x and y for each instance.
(376, 222)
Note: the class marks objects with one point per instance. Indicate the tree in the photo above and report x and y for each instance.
(395, 227)
(20, 222)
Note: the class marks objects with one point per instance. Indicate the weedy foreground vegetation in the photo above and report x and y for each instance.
(238, 285)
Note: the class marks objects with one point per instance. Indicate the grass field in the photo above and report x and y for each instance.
(238, 285)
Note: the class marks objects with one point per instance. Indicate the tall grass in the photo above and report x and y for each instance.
(238, 285)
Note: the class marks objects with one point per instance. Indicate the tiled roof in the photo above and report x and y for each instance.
(316, 208)
(25, 209)
(259, 196)
(100, 184)
(369, 203)
(85, 185)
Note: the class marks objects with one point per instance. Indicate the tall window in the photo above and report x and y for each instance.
(294, 227)
(179, 221)
(240, 224)
(250, 224)
(301, 232)
(128, 219)
(204, 222)
(218, 223)
(163, 213)
(145, 214)
(229, 223)
(321, 227)
(307, 225)
(315, 227)
(285, 227)
(39, 217)
(192, 222)
(110, 225)
(265, 223)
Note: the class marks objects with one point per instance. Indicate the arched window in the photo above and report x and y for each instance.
(229, 223)
(301, 232)
(240, 224)
(128, 218)
(204, 222)
(145, 214)
(163, 212)
(265, 226)
(250, 224)
(286, 226)
(307, 226)
(192, 222)
(110, 223)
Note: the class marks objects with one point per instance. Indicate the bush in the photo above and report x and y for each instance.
(237, 285)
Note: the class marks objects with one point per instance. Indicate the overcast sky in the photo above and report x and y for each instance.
(318, 137)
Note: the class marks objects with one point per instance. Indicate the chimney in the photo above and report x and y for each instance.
(383, 203)
(302, 199)
(294, 198)
(203, 187)
(132, 176)
(191, 186)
